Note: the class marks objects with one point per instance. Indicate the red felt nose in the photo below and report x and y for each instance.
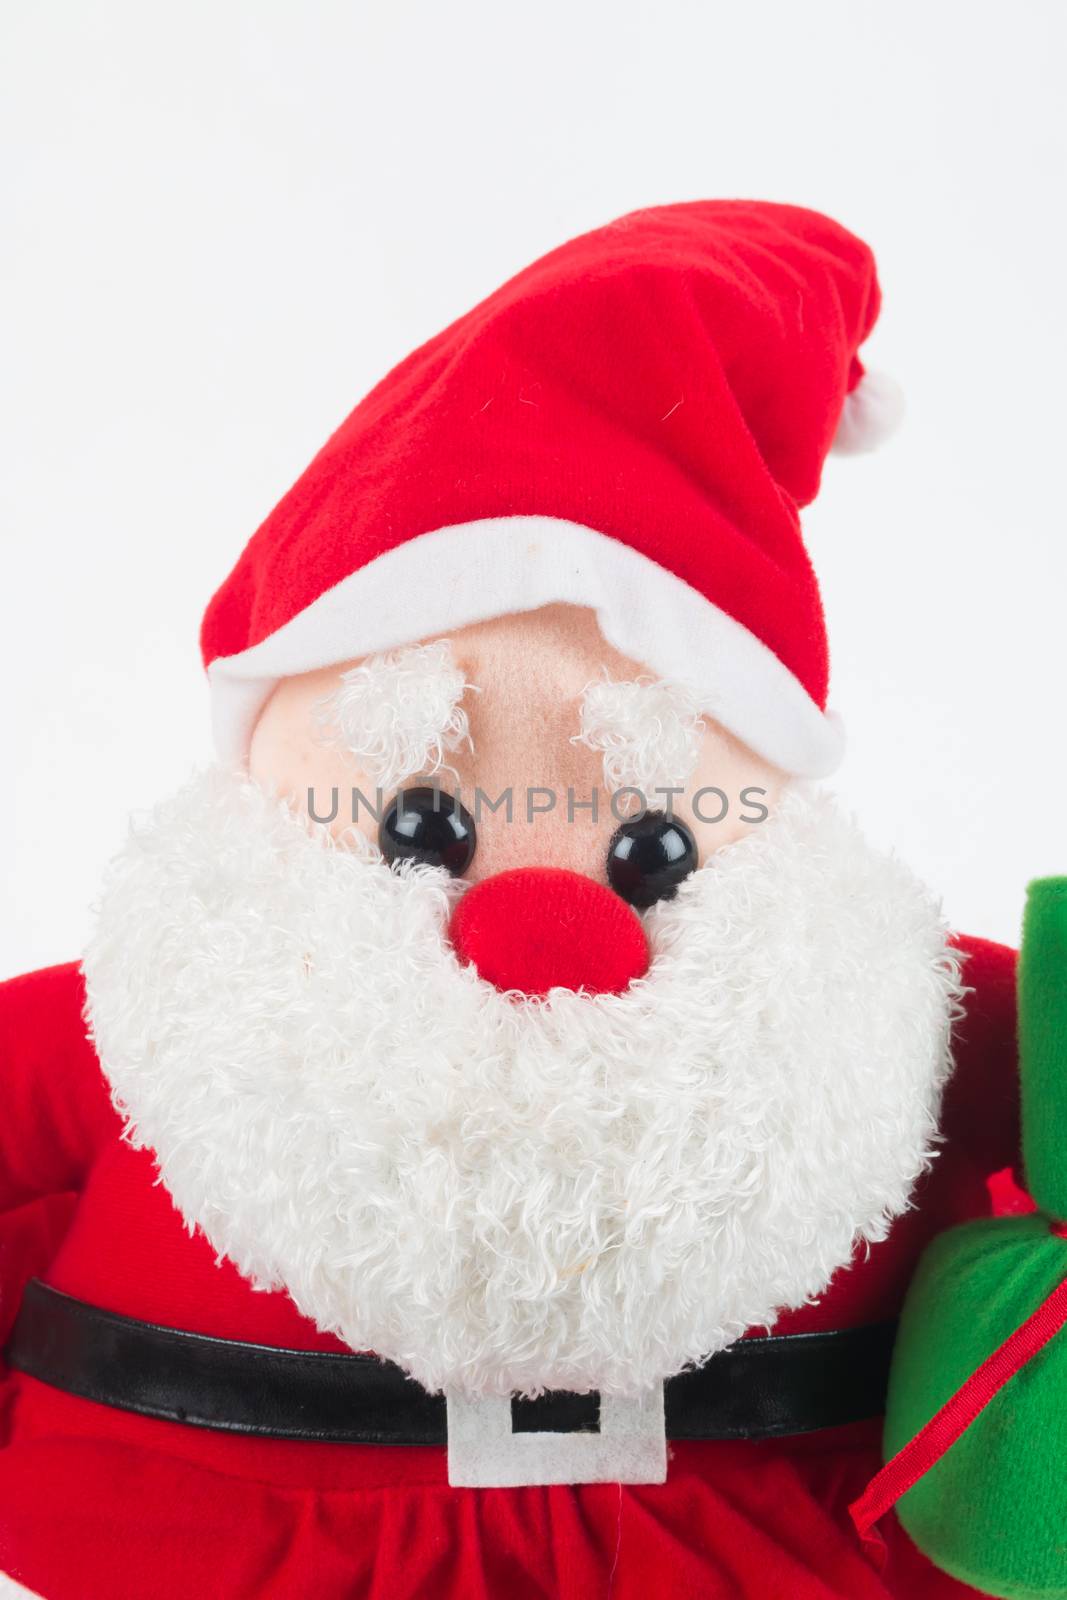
(540, 928)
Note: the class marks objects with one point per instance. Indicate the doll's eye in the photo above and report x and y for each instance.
(428, 826)
(649, 857)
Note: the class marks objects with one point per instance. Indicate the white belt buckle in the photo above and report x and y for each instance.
(484, 1451)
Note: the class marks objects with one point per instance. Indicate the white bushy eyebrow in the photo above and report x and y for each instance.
(399, 713)
(647, 731)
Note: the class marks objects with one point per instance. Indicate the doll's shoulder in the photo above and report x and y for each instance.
(42, 1009)
(988, 975)
(45, 1045)
(981, 1106)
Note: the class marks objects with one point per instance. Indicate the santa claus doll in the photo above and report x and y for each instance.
(489, 1136)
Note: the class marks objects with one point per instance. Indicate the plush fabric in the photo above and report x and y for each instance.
(537, 928)
(991, 1510)
(733, 1522)
(975, 1287)
(1043, 1044)
(398, 713)
(648, 734)
(280, 1521)
(10, 1590)
(664, 389)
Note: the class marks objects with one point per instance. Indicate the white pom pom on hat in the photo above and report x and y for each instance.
(872, 411)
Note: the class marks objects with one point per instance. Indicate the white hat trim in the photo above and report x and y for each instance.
(458, 575)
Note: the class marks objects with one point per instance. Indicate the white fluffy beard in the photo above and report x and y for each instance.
(506, 1196)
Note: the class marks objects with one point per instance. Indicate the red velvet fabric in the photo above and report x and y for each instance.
(672, 380)
(97, 1504)
(87, 1516)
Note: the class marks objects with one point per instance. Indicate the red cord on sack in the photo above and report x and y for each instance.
(957, 1414)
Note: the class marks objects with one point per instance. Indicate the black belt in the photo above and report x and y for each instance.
(758, 1389)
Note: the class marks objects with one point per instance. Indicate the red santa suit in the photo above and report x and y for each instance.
(97, 1501)
(631, 425)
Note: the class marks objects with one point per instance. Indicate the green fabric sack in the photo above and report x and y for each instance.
(992, 1510)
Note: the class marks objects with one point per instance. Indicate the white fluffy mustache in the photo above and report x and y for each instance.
(506, 1196)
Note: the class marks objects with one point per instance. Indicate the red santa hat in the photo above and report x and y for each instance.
(630, 424)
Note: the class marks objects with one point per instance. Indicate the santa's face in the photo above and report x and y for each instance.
(510, 723)
(668, 1110)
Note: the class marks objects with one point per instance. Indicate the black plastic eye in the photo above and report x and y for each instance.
(429, 826)
(649, 857)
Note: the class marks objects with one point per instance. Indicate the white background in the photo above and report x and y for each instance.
(225, 221)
